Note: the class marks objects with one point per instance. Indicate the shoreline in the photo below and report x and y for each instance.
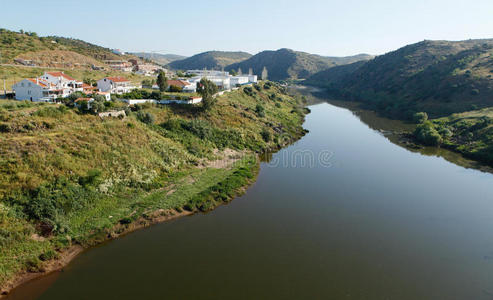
(119, 230)
(400, 136)
(69, 254)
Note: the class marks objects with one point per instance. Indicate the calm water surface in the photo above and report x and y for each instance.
(374, 221)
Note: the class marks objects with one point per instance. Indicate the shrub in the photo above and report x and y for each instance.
(260, 111)
(175, 89)
(420, 117)
(48, 255)
(145, 117)
(427, 134)
(51, 111)
(249, 91)
(92, 178)
(266, 135)
(5, 128)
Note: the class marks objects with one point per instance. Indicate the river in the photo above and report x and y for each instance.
(343, 213)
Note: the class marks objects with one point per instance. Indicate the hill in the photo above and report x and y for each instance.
(210, 60)
(161, 59)
(438, 77)
(52, 50)
(288, 64)
(71, 179)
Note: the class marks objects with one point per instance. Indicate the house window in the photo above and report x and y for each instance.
(29, 92)
(22, 84)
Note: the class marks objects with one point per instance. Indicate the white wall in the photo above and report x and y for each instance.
(27, 90)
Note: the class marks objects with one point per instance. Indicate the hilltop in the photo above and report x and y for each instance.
(437, 77)
(288, 64)
(161, 59)
(210, 60)
(53, 51)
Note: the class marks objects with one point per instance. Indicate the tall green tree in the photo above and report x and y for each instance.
(162, 81)
(207, 89)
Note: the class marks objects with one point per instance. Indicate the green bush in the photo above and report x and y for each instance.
(260, 111)
(427, 134)
(266, 135)
(420, 117)
(145, 117)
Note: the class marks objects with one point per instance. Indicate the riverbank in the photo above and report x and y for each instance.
(456, 148)
(90, 179)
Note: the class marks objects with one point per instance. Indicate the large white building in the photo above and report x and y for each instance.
(47, 87)
(223, 80)
(115, 85)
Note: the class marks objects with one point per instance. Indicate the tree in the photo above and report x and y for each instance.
(233, 73)
(420, 117)
(97, 107)
(162, 81)
(207, 89)
(427, 134)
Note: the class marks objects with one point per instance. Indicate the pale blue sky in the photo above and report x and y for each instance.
(323, 27)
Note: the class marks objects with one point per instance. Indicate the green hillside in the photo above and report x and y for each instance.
(69, 178)
(211, 60)
(438, 77)
(28, 45)
(288, 64)
(162, 59)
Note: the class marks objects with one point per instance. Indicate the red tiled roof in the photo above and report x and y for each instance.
(178, 82)
(117, 79)
(60, 74)
(88, 87)
(40, 82)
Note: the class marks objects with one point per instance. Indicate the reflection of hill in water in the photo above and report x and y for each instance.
(391, 129)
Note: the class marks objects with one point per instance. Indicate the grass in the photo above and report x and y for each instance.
(71, 177)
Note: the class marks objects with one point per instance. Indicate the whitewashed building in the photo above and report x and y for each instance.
(115, 85)
(47, 87)
(35, 89)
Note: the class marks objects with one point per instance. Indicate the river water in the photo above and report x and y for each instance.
(344, 213)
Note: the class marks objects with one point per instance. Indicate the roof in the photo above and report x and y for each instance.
(178, 82)
(60, 74)
(40, 82)
(117, 79)
(88, 87)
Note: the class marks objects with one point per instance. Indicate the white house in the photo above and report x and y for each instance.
(66, 84)
(35, 89)
(115, 85)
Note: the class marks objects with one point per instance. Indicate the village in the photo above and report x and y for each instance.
(53, 87)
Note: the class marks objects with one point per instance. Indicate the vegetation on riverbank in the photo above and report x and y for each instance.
(68, 178)
(469, 133)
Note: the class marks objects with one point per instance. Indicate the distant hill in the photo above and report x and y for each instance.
(288, 64)
(210, 60)
(439, 77)
(162, 59)
(52, 50)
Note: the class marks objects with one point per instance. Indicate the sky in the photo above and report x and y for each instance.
(325, 27)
